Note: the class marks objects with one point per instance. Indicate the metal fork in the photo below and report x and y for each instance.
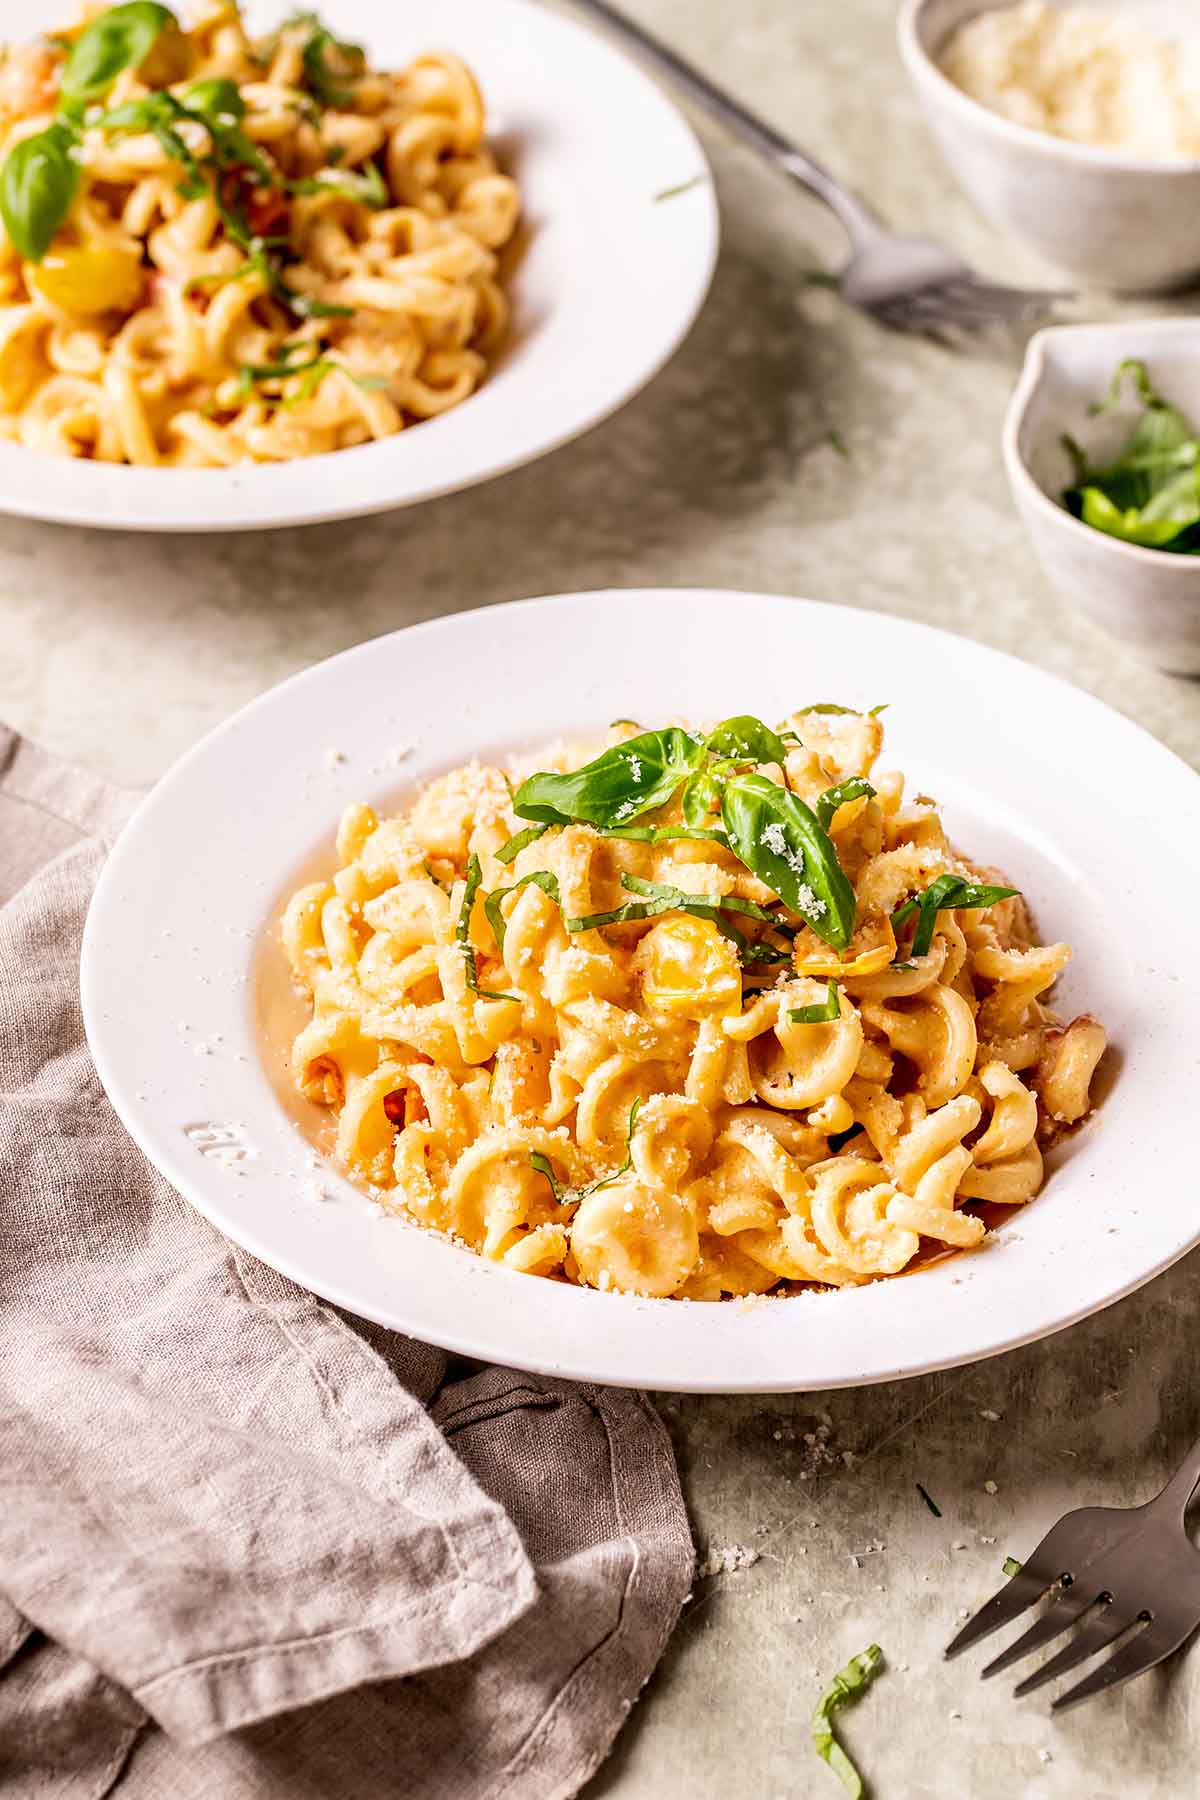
(1113, 1569)
(906, 283)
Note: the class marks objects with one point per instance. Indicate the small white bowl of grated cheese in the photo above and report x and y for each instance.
(1073, 124)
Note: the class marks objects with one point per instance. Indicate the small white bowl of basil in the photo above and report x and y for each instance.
(1102, 448)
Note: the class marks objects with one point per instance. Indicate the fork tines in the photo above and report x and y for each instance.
(1101, 1618)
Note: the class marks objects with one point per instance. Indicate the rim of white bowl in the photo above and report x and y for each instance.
(1019, 472)
(921, 66)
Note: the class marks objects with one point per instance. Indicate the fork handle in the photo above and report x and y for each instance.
(860, 223)
(1176, 1496)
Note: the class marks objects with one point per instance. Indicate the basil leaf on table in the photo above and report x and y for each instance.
(846, 1685)
(948, 893)
(1150, 493)
(617, 787)
(855, 787)
(746, 739)
(462, 933)
(38, 182)
(820, 1014)
(491, 907)
(118, 39)
(781, 841)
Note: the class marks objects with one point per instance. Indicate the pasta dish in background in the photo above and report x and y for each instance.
(710, 1013)
(219, 249)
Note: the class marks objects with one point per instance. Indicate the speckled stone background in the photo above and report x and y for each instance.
(121, 650)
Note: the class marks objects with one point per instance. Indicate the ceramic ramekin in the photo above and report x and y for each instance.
(1105, 218)
(1148, 599)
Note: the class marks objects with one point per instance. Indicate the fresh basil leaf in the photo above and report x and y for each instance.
(462, 933)
(491, 907)
(949, 893)
(218, 99)
(1150, 493)
(38, 182)
(781, 841)
(746, 739)
(543, 1166)
(661, 898)
(853, 788)
(700, 794)
(509, 852)
(618, 786)
(632, 911)
(306, 306)
(846, 1685)
(322, 82)
(820, 1014)
(826, 706)
(118, 39)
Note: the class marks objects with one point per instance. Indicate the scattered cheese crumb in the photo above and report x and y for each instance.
(727, 1559)
(988, 1414)
(331, 757)
(989, 1487)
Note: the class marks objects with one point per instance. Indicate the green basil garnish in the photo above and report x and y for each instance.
(37, 185)
(1150, 493)
(324, 85)
(746, 739)
(365, 185)
(780, 840)
(822, 1012)
(509, 852)
(564, 1196)
(218, 99)
(825, 706)
(662, 834)
(948, 893)
(617, 787)
(660, 898)
(118, 39)
(855, 787)
(1010, 1567)
(539, 877)
(701, 793)
(462, 933)
(846, 1685)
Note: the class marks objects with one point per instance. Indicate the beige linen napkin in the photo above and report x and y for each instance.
(250, 1546)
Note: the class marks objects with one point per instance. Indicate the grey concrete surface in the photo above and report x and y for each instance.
(121, 650)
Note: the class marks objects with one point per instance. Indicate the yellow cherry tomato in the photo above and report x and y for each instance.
(689, 968)
(96, 278)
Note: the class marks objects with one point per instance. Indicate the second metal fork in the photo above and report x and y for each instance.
(907, 283)
(1118, 1573)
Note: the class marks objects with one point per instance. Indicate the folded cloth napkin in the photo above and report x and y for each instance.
(251, 1546)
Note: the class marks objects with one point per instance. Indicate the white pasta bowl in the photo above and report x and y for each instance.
(619, 242)
(1105, 218)
(189, 1022)
(1148, 599)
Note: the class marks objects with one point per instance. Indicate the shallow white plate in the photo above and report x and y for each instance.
(606, 287)
(1094, 820)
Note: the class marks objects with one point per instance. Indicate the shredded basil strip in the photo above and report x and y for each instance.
(715, 907)
(822, 1012)
(663, 834)
(846, 1685)
(118, 39)
(462, 933)
(366, 185)
(509, 852)
(572, 1196)
(948, 893)
(615, 788)
(540, 877)
(853, 788)
(782, 842)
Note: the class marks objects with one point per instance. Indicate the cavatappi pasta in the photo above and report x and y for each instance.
(257, 249)
(699, 1099)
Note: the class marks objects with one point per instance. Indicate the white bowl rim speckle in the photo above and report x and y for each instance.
(974, 113)
(1031, 378)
